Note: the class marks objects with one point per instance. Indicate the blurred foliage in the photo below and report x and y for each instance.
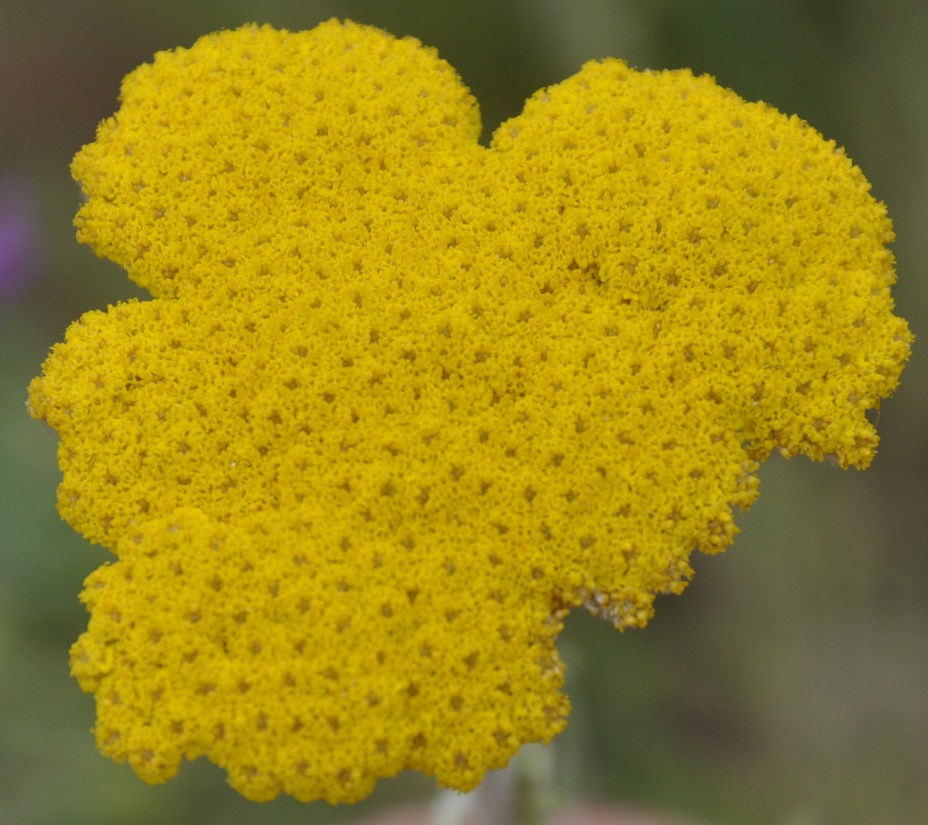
(787, 685)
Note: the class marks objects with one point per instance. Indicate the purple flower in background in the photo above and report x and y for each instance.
(19, 234)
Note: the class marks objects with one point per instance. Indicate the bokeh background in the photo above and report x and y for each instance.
(788, 686)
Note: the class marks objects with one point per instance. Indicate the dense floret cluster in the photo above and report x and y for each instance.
(400, 400)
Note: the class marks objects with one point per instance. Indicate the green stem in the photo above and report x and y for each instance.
(521, 794)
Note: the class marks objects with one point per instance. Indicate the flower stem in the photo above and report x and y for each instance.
(521, 794)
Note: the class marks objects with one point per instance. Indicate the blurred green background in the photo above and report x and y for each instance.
(788, 686)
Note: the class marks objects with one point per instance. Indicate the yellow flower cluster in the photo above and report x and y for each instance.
(400, 400)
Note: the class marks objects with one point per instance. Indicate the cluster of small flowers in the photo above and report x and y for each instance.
(400, 401)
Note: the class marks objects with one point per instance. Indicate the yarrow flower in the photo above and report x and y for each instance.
(401, 401)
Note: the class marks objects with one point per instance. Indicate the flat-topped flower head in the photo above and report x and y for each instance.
(400, 401)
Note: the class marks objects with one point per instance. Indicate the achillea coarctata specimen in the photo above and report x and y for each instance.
(400, 401)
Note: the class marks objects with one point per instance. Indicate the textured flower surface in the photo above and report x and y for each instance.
(400, 400)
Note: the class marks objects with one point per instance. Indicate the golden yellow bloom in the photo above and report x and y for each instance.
(400, 401)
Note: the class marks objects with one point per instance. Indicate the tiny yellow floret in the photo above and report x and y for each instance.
(400, 401)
